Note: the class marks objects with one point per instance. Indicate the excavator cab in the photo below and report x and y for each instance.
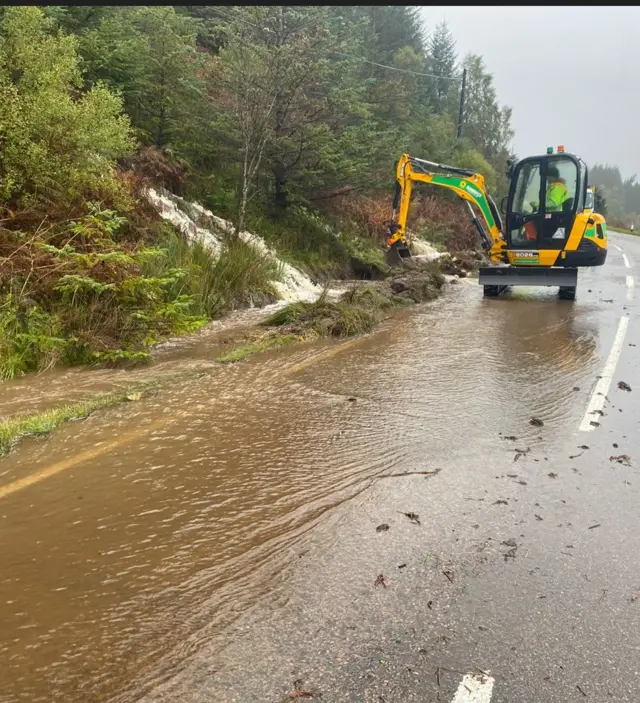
(550, 225)
(545, 194)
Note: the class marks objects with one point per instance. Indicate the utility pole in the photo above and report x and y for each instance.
(461, 113)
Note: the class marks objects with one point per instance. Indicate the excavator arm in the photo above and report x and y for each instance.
(465, 183)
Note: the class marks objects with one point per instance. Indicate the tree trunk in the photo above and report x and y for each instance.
(280, 183)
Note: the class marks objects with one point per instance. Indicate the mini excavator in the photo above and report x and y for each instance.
(550, 226)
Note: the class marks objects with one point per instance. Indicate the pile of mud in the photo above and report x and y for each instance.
(361, 307)
(462, 264)
(416, 282)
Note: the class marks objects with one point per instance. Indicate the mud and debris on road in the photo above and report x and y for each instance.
(284, 436)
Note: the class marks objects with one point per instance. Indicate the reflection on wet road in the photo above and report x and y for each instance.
(191, 507)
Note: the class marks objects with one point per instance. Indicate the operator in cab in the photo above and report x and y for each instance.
(557, 192)
(557, 195)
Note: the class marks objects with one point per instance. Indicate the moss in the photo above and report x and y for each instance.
(15, 429)
(269, 341)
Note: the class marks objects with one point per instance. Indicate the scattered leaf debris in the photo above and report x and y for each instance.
(578, 687)
(380, 581)
(593, 527)
(382, 528)
(536, 422)
(635, 598)
(511, 438)
(521, 452)
(511, 553)
(402, 566)
(576, 388)
(449, 575)
(624, 386)
(595, 424)
(552, 474)
(622, 459)
(414, 517)
(583, 446)
(352, 399)
(538, 517)
(298, 692)
(501, 501)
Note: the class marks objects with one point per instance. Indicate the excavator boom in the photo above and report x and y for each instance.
(465, 183)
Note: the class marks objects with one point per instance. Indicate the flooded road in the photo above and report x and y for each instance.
(191, 546)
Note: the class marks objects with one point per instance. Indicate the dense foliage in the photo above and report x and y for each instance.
(283, 119)
(621, 196)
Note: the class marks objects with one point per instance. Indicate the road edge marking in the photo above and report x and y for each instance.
(474, 688)
(626, 261)
(596, 402)
(87, 455)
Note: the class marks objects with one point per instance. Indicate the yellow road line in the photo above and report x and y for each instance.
(65, 464)
(323, 355)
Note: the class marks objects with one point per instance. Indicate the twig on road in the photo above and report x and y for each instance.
(581, 691)
(408, 473)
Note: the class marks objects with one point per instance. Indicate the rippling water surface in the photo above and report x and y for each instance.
(185, 509)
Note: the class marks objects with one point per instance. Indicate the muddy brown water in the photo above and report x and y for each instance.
(149, 527)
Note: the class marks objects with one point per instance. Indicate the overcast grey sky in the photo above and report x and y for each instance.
(571, 75)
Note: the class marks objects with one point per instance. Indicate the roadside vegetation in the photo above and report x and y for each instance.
(272, 117)
(14, 429)
(617, 198)
(356, 311)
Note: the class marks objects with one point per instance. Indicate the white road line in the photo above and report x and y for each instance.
(474, 688)
(596, 402)
(617, 247)
(630, 285)
(626, 261)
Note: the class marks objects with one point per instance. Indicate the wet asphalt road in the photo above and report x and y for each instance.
(525, 565)
(218, 541)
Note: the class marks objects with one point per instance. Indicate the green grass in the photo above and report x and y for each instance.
(624, 230)
(269, 342)
(15, 429)
(238, 277)
(18, 427)
(303, 240)
(356, 312)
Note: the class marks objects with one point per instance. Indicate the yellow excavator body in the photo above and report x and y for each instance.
(550, 227)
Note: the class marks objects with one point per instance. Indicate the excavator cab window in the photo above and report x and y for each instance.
(544, 196)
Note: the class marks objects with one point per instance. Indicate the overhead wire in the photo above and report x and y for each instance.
(455, 77)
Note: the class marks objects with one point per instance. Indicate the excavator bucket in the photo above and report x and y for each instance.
(396, 254)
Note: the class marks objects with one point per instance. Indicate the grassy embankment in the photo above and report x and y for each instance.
(355, 312)
(623, 230)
